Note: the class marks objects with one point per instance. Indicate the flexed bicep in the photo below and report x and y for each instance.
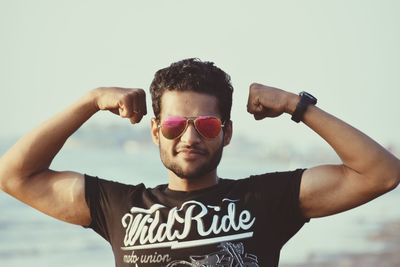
(330, 189)
(58, 194)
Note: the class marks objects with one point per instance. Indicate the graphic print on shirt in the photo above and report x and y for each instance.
(193, 224)
(230, 255)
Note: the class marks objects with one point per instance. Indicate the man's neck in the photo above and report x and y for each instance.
(192, 184)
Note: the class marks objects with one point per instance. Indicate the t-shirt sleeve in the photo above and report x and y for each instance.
(279, 195)
(106, 201)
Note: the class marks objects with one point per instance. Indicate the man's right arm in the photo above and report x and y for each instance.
(25, 169)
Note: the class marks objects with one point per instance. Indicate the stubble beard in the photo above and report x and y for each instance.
(195, 173)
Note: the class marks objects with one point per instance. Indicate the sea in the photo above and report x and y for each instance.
(30, 238)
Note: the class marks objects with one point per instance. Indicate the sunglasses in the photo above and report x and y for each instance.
(207, 126)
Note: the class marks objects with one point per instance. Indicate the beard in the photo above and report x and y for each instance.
(197, 171)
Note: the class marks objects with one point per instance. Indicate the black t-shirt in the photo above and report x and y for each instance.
(234, 223)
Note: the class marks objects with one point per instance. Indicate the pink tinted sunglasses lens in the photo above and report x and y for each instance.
(172, 127)
(208, 127)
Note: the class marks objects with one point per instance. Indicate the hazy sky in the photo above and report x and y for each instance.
(344, 52)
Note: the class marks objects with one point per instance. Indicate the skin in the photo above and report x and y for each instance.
(367, 169)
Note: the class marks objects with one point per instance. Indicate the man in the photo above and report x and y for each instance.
(197, 219)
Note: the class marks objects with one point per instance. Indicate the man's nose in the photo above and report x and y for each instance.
(191, 136)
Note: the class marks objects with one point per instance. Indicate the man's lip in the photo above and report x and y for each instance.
(191, 151)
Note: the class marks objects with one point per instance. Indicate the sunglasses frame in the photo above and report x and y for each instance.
(191, 120)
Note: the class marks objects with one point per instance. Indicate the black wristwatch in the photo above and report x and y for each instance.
(306, 99)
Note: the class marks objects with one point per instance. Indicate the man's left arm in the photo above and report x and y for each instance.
(367, 170)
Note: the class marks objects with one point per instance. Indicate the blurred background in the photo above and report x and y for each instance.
(346, 53)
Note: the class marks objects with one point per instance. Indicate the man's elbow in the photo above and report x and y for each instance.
(2, 177)
(393, 184)
(1, 184)
(8, 179)
(393, 179)
(11, 175)
(4, 182)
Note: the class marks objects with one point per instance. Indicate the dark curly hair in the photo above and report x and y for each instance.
(192, 74)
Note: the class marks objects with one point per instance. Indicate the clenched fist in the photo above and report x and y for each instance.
(265, 101)
(125, 102)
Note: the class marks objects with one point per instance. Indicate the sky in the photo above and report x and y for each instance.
(346, 53)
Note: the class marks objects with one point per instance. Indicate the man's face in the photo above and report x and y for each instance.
(190, 156)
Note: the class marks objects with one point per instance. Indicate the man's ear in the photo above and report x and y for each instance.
(155, 131)
(228, 130)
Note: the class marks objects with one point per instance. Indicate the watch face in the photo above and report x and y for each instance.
(309, 96)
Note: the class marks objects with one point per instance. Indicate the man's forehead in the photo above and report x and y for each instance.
(188, 96)
(188, 102)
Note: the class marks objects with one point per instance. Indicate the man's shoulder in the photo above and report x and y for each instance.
(98, 183)
(263, 176)
(278, 174)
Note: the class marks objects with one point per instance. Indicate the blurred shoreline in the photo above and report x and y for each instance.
(389, 256)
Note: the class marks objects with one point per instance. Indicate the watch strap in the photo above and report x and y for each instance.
(306, 99)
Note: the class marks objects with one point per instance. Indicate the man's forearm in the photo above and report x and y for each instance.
(357, 151)
(35, 151)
